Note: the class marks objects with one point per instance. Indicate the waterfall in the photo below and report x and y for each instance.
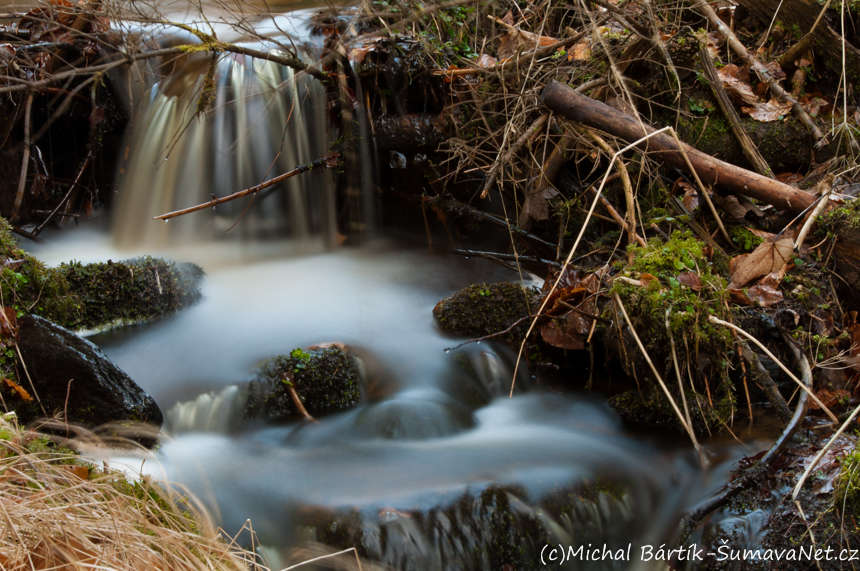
(265, 121)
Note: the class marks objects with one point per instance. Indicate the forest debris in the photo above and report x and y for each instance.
(773, 110)
(512, 40)
(766, 258)
(573, 309)
(565, 101)
(22, 392)
(736, 86)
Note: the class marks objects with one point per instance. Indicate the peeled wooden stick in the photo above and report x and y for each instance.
(288, 382)
(327, 161)
(825, 186)
(625, 181)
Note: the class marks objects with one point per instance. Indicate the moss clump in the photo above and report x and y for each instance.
(701, 347)
(127, 292)
(326, 380)
(745, 239)
(483, 309)
(847, 493)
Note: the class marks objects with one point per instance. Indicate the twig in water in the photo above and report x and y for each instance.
(288, 382)
(491, 335)
(327, 161)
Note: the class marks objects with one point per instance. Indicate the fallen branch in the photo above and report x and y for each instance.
(565, 101)
(288, 383)
(328, 161)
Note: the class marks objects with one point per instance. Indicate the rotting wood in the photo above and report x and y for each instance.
(662, 147)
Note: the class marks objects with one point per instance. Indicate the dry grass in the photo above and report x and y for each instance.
(58, 512)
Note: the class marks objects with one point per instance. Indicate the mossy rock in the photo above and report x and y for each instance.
(93, 296)
(129, 292)
(483, 309)
(326, 380)
(652, 408)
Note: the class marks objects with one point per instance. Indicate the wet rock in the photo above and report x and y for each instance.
(99, 392)
(418, 415)
(133, 291)
(483, 309)
(326, 380)
(500, 527)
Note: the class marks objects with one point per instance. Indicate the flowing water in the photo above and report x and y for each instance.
(437, 468)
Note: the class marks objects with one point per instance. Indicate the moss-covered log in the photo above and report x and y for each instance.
(326, 380)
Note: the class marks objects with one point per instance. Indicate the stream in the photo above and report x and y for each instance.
(437, 468)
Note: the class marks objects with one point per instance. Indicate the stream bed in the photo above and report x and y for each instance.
(437, 468)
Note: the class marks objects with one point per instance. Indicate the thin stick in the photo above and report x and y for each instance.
(323, 162)
(66, 197)
(821, 454)
(696, 444)
(825, 186)
(573, 249)
(663, 386)
(297, 565)
(287, 379)
(808, 390)
(628, 188)
(506, 158)
(25, 161)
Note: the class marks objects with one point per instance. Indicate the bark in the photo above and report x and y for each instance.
(662, 147)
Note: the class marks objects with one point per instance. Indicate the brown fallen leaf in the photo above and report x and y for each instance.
(647, 279)
(536, 206)
(487, 61)
(823, 322)
(764, 296)
(18, 389)
(741, 91)
(766, 258)
(829, 397)
(514, 38)
(557, 335)
(773, 110)
(579, 52)
(691, 280)
(81, 472)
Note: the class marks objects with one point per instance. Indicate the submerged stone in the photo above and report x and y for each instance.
(72, 376)
(326, 380)
(483, 309)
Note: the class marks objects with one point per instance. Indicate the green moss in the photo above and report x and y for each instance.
(847, 491)
(485, 309)
(326, 380)
(701, 347)
(745, 239)
(126, 292)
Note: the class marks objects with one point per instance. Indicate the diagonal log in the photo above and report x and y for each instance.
(662, 147)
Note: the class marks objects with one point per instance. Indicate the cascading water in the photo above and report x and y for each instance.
(437, 468)
(265, 121)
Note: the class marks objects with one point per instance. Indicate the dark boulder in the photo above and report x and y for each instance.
(99, 393)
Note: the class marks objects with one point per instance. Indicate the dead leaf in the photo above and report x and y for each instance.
(556, 335)
(579, 52)
(766, 258)
(536, 205)
(487, 61)
(741, 91)
(770, 70)
(764, 296)
(732, 207)
(691, 280)
(789, 177)
(823, 322)
(773, 110)
(18, 389)
(81, 472)
(512, 40)
(647, 279)
(830, 398)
